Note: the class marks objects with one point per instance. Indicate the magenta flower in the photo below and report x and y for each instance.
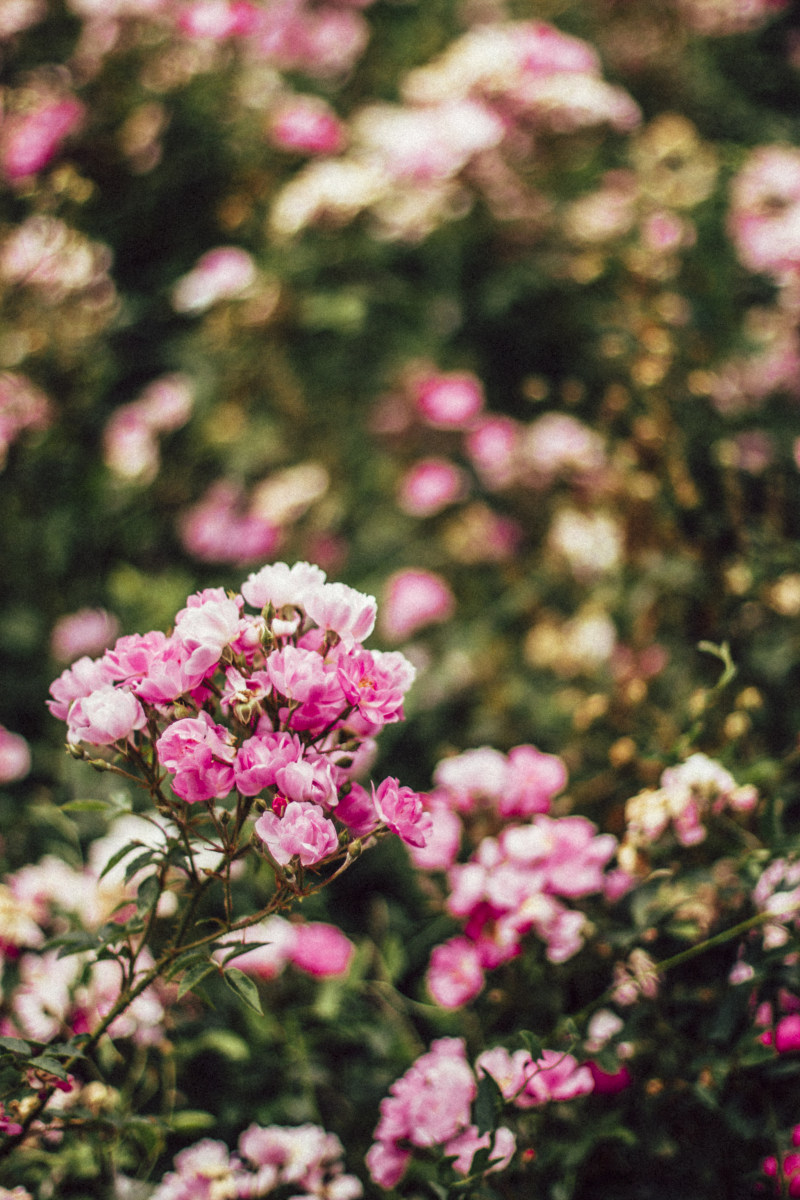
(302, 831)
(401, 810)
(201, 755)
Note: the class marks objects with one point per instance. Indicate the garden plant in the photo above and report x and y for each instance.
(400, 540)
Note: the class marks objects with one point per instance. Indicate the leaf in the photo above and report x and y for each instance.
(141, 860)
(488, 1104)
(73, 806)
(45, 1063)
(76, 942)
(118, 856)
(147, 894)
(192, 1120)
(147, 1132)
(244, 988)
(15, 1045)
(195, 975)
(532, 1043)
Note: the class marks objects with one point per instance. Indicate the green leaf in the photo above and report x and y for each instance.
(244, 988)
(141, 860)
(192, 1120)
(45, 1063)
(118, 856)
(76, 942)
(195, 975)
(488, 1104)
(147, 894)
(15, 1045)
(73, 806)
(532, 1043)
(147, 1132)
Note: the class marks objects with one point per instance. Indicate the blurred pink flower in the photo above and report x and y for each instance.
(308, 125)
(15, 756)
(429, 486)
(449, 400)
(28, 141)
(415, 598)
(321, 949)
(220, 274)
(87, 631)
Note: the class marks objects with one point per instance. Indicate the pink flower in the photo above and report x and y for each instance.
(340, 609)
(455, 974)
(449, 400)
(205, 627)
(15, 756)
(107, 715)
(28, 141)
(308, 125)
(466, 1144)
(282, 586)
(303, 831)
(440, 851)
(83, 677)
(220, 528)
(305, 779)
(87, 631)
(787, 1034)
(321, 950)
(429, 486)
(357, 811)
(400, 809)
(532, 780)
(415, 598)
(201, 755)
(375, 684)
(258, 758)
(555, 1076)
(217, 19)
(492, 446)
(221, 274)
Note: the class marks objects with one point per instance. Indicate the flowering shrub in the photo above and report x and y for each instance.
(489, 309)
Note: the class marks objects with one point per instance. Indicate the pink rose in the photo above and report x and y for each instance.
(303, 831)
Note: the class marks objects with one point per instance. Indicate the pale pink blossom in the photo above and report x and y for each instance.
(307, 779)
(22, 407)
(259, 757)
(221, 274)
(557, 444)
(87, 631)
(492, 445)
(302, 831)
(308, 125)
(455, 973)
(321, 950)
(217, 19)
(441, 849)
(15, 756)
(205, 627)
(221, 527)
(282, 586)
(555, 1076)
(449, 400)
(84, 676)
(764, 219)
(201, 755)
(401, 810)
(415, 598)
(340, 609)
(109, 714)
(430, 486)
(28, 141)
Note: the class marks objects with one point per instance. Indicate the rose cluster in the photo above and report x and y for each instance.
(281, 705)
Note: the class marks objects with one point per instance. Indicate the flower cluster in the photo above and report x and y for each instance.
(299, 697)
(303, 1157)
(431, 1106)
(689, 794)
(515, 882)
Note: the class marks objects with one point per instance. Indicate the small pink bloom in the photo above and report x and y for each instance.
(455, 974)
(440, 851)
(787, 1034)
(492, 445)
(321, 950)
(83, 677)
(308, 125)
(201, 756)
(107, 715)
(303, 830)
(340, 609)
(532, 781)
(556, 1076)
(260, 757)
(205, 627)
(415, 598)
(400, 809)
(87, 631)
(281, 585)
(429, 486)
(28, 141)
(305, 779)
(221, 274)
(15, 756)
(449, 400)
(357, 811)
